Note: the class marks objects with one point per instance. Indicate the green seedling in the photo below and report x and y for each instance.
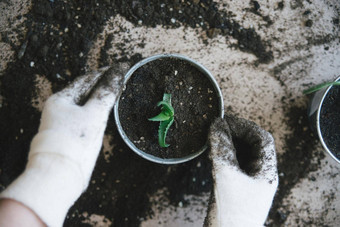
(165, 118)
(320, 86)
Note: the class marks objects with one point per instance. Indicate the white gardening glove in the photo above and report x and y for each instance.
(243, 190)
(63, 153)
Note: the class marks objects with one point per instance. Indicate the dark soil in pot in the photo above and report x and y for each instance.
(194, 99)
(330, 120)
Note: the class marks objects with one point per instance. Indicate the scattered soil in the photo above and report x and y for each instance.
(193, 97)
(330, 120)
(300, 158)
(121, 189)
(204, 14)
(58, 39)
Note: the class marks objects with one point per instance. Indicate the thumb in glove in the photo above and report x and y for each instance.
(244, 171)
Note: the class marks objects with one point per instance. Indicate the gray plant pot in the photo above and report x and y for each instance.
(129, 142)
(314, 110)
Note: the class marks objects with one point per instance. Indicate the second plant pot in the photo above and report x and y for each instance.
(196, 99)
(324, 116)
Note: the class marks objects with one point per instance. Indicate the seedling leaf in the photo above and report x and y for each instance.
(163, 130)
(320, 86)
(165, 118)
(167, 106)
(167, 97)
(160, 117)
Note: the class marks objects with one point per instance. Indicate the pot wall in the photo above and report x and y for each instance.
(314, 110)
(124, 135)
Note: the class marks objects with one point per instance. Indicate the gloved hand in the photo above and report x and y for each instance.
(63, 153)
(244, 171)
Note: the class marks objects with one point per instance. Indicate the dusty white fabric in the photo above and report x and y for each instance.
(241, 199)
(63, 153)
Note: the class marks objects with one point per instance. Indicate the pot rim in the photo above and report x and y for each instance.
(143, 154)
(318, 128)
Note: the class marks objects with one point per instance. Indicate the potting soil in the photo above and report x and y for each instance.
(330, 120)
(193, 98)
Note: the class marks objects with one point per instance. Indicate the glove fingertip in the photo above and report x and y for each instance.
(221, 144)
(218, 129)
(219, 126)
(108, 89)
(237, 124)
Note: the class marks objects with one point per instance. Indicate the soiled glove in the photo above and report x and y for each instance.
(244, 171)
(63, 153)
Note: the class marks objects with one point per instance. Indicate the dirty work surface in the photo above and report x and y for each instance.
(262, 54)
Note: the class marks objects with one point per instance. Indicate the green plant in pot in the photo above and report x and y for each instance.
(166, 118)
(166, 109)
(324, 115)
